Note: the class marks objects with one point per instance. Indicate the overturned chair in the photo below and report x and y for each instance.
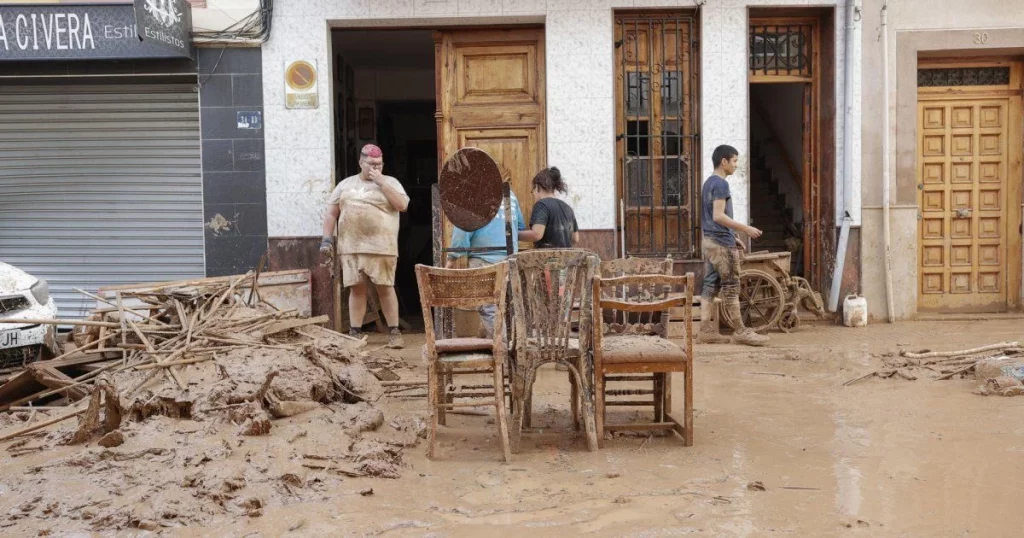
(632, 340)
(448, 357)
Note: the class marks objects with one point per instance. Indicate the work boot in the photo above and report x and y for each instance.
(708, 331)
(395, 340)
(743, 335)
(747, 337)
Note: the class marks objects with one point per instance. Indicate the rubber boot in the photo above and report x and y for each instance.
(743, 335)
(709, 331)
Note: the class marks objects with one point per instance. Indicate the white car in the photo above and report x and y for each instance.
(23, 296)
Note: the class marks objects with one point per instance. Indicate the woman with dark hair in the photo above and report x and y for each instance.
(552, 221)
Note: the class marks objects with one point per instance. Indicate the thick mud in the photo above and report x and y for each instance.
(781, 446)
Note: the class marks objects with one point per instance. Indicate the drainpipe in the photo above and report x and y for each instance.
(852, 18)
(886, 233)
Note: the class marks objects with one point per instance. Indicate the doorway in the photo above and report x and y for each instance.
(777, 141)
(792, 137)
(385, 95)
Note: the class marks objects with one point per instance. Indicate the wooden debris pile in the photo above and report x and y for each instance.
(943, 365)
(164, 330)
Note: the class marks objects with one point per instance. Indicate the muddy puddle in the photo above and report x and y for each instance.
(781, 447)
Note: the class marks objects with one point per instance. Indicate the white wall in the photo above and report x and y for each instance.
(580, 109)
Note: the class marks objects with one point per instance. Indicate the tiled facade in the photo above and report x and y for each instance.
(580, 103)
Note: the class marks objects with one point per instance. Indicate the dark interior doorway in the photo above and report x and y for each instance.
(777, 185)
(385, 95)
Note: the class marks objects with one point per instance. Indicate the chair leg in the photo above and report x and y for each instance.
(600, 407)
(688, 408)
(659, 397)
(528, 400)
(668, 393)
(433, 397)
(499, 404)
(575, 402)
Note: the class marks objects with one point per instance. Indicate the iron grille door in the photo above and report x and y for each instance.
(657, 131)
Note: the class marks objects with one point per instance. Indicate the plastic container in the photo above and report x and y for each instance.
(855, 311)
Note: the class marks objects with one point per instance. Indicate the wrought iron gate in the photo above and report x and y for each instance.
(658, 131)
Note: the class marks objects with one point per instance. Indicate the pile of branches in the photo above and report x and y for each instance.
(939, 365)
(174, 327)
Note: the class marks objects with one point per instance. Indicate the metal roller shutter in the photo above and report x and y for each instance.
(101, 183)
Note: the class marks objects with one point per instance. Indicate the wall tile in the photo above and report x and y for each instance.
(234, 187)
(479, 7)
(300, 8)
(571, 77)
(392, 8)
(580, 120)
(247, 90)
(347, 9)
(218, 156)
(524, 6)
(248, 155)
(431, 8)
(229, 60)
(294, 214)
(573, 32)
(215, 90)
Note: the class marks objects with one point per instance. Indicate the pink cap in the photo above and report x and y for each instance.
(371, 150)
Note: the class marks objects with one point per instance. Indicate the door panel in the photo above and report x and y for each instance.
(964, 161)
(490, 95)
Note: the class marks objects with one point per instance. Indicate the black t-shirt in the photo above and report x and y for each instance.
(559, 223)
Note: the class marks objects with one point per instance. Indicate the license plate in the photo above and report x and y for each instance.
(10, 339)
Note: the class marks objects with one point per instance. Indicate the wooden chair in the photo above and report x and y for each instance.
(447, 357)
(546, 283)
(634, 341)
(631, 267)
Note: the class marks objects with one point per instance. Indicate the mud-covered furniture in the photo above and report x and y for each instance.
(450, 357)
(620, 389)
(546, 285)
(632, 340)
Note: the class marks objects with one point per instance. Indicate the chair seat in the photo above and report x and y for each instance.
(629, 349)
(467, 359)
(462, 345)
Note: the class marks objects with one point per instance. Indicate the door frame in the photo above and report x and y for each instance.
(1014, 92)
(818, 168)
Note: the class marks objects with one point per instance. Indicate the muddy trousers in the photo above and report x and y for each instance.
(722, 271)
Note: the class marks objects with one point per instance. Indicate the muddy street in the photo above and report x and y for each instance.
(781, 447)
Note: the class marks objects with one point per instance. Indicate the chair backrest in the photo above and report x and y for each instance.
(631, 267)
(636, 266)
(546, 285)
(462, 288)
(644, 309)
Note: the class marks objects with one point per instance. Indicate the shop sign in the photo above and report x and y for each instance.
(89, 32)
(165, 23)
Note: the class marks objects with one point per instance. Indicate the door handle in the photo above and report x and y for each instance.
(963, 213)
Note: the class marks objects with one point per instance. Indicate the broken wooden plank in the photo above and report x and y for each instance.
(282, 326)
(83, 322)
(53, 378)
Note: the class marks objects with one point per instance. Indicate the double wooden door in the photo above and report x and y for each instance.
(490, 95)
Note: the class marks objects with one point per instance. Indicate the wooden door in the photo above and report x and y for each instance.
(657, 131)
(968, 166)
(490, 95)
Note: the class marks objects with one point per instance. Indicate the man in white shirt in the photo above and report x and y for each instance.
(364, 209)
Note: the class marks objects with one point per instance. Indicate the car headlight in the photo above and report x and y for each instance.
(41, 291)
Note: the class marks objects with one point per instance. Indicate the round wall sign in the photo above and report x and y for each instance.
(301, 75)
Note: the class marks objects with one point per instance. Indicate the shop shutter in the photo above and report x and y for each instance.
(101, 183)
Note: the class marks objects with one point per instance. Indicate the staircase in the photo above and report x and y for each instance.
(768, 209)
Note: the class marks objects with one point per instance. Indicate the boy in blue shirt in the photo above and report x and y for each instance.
(491, 235)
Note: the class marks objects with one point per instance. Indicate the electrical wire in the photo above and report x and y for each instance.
(255, 26)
